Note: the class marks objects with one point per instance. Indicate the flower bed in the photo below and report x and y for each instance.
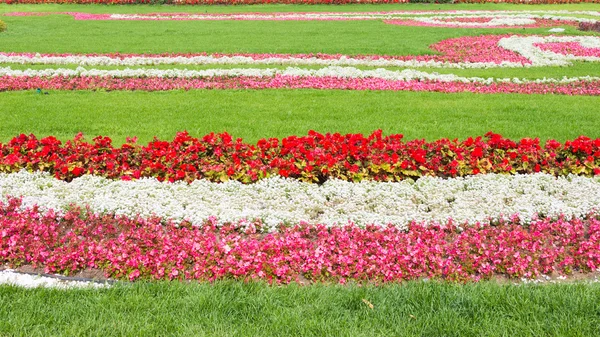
(133, 248)
(273, 201)
(465, 19)
(528, 21)
(570, 87)
(312, 158)
(462, 52)
(465, 52)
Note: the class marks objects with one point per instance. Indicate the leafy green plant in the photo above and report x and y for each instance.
(2, 26)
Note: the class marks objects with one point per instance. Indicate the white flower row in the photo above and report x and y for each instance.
(552, 15)
(277, 200)
(525, 45)
(10, 277)
(495, 20)
(84, 60)
(339, 72)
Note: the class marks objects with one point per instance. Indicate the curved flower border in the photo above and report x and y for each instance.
(326, 16)
(464, 52)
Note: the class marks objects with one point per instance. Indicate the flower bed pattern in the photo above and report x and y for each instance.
(463, 52)
(483, 22)
(312, 158)
(577, 87)
(276, 201)
(465, 19)
(132, 248)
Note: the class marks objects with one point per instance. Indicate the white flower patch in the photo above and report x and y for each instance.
(10, 277)
(494, 21)
(414, 15)
(525, 45)
(340, 72)
(277, 200)
(84, 60)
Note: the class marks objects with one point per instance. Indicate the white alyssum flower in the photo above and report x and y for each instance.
(140, 60)
(340, 72)
(278, 200)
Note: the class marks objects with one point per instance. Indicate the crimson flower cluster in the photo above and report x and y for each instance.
(312, 158)
(132, 248)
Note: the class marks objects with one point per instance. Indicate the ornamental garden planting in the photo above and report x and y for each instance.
(312, 207)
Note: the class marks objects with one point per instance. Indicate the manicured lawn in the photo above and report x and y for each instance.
(62, 34)
(276, 113)
(252, 309)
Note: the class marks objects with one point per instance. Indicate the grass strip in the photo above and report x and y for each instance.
(255, 114)
(255, 309)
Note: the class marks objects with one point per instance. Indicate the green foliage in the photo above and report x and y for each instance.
(2, 26)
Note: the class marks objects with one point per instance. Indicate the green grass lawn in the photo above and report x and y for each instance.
(277, 113)
(255, 114)
(251, 309)
(63, 34)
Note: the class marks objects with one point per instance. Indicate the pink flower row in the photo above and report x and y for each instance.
(128, 248)
(10, 83)
(569, 48)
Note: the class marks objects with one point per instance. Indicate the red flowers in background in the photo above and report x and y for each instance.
(312, 158)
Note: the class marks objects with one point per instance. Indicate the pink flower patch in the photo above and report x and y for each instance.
(9, 83)
(569, 48)
(134, 248)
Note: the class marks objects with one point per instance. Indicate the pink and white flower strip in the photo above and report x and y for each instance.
(511, 51)
(463, 19)
(464, 52)
(275, 201)
(132, 246)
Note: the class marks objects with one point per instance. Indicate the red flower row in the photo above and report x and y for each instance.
(312, 158)
(145, 248)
